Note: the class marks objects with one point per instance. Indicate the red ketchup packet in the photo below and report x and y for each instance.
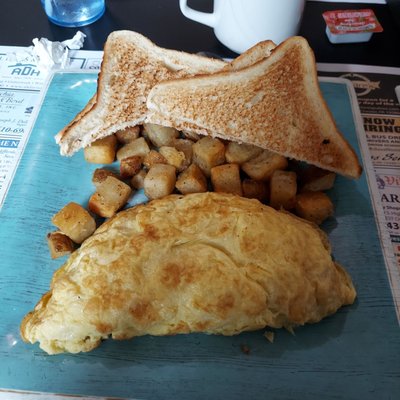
(345, 26)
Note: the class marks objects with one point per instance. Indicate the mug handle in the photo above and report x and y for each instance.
(198, 16)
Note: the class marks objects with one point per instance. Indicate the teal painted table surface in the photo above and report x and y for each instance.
(354, 354)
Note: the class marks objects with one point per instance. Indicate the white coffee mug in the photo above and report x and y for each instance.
(240, 24)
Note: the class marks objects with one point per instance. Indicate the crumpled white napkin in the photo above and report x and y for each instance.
(51, 55)
(55, 54)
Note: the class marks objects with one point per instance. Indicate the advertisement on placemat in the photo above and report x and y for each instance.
(377, 90)
(21, 82)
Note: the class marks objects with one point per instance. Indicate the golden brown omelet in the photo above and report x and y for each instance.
(206, 262)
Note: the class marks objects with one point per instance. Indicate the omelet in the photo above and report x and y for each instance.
(206, 262)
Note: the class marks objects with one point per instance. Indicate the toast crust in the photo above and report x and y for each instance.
(254, 54)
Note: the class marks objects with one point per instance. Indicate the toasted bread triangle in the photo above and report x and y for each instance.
(131, 66)
(275, 103)
(254, 54)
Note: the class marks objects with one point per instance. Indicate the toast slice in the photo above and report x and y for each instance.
(256, 53)
(275, 103)
(131, 66)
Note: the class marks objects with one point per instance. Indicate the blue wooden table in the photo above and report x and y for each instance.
(354, 354)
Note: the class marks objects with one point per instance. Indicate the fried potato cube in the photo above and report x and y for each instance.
(100, 206)
(255, 189)
(128, 135)
(262, 166)
(208, 152)
(186, 146)
(114, 190)
(154, 157)
(159, 181)
(174, 157)
(75, 222)
(100, 175)
(226, 178)
(314, 206)
(101, 151)
(130, 166)
(138, 147)
(316, 180)
(137, 181)
(283, 189)
(111, 195)
(191, 180)
(239, 153)
(160, 135)
(59, 244)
